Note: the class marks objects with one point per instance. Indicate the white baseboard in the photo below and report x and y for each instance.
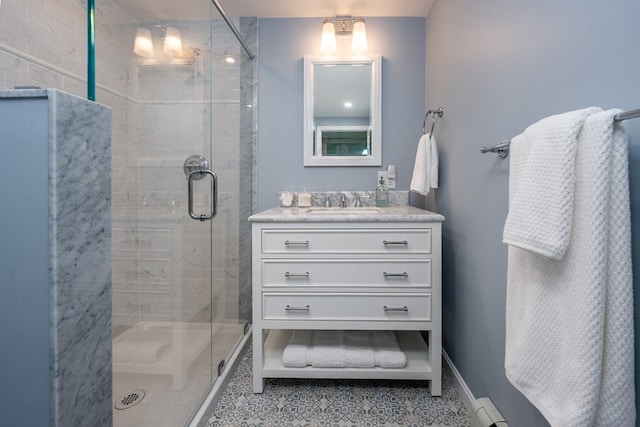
(458, 382)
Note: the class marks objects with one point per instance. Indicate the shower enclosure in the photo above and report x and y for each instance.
(181, 86)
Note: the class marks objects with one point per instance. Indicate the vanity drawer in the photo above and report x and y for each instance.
(351, 241)
(346, 272)
(346, 306)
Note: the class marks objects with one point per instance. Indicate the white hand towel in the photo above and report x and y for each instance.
(425, 168)
(541, 181)
(434, 162)
(569, 323)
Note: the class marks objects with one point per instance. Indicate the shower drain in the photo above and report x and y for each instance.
(129, 399)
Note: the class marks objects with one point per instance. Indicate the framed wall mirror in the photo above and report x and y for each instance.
(342, 111)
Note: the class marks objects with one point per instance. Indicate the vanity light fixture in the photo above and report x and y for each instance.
(169, 36)
(172, 42)
(343, 26)
(143, 45)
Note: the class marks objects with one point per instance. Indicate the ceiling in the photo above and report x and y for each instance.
(320, 8)
(195, 9)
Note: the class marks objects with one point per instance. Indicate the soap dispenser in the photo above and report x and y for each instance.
(382, 194)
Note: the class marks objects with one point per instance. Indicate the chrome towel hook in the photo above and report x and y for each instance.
(439, 111)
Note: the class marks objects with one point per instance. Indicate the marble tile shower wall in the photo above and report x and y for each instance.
(156, 114)
(176, 118)
(43, 43)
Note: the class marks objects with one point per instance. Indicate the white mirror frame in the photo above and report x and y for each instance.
(376, 114)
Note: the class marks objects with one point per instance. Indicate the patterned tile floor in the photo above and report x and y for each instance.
(334, 403)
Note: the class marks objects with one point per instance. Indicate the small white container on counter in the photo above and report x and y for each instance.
(285, 198)
(304, 199)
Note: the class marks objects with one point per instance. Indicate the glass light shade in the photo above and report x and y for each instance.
(328, 40)
(143, 45)
(173, 42)
(359, 38)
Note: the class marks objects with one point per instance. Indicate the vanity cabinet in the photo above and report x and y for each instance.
(377, 274)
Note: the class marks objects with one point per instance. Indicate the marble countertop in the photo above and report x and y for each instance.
(368, 213)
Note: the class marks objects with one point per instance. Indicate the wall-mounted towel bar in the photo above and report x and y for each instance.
(503, 148)
(439, 112)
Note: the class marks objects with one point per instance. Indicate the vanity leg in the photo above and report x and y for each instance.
(435, 387)
(258, 381)
(435, 357)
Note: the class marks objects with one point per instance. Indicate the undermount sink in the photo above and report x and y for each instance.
(345, 211)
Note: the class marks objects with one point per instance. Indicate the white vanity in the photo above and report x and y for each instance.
(347, 269)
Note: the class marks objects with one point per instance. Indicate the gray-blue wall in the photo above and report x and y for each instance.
(24, 263)
(498, 66)
(283, 44)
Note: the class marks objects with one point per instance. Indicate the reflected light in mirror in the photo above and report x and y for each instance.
(143, 45)
(328, 41)
(173, 42)
(359, 38)
(348, 104)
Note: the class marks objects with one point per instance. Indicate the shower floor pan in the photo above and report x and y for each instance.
(165, 348)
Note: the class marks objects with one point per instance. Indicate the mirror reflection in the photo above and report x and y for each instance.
(342, 112)
(343, 140)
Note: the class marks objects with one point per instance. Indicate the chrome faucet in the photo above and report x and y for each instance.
(343, 201)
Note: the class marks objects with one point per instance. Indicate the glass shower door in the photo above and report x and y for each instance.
(177, 314)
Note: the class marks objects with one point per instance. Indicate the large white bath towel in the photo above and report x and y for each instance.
(358, 350)
(387, 352)
(327, 349)
(569, 322)
(294, 354)
(541, 190)
(425, 168)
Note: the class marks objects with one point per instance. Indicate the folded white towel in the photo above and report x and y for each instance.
(358, 350)
(425, 168)
(569, 322)
(387, 352)
(541, 182)
(343, 349)
(295, 353)
(327, 350)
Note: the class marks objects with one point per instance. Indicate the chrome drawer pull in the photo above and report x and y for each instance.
(403, 308)
(296, 275)
(289, 308)
(296, 242)
(385, 274)
(395, 242)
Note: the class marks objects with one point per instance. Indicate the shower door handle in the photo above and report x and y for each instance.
(197, 175)
(196, 167)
